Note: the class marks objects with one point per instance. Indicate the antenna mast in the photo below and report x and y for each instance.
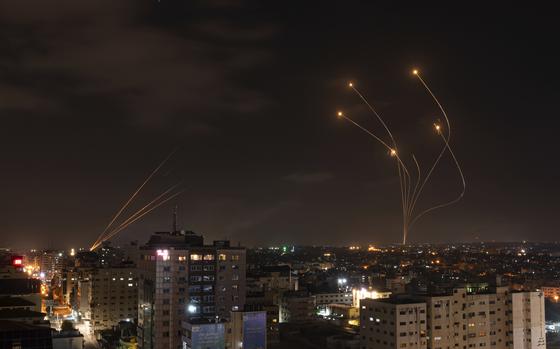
(175, 219)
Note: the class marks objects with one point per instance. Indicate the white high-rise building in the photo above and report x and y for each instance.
(392, 323)
(527, 320)
(460, 320)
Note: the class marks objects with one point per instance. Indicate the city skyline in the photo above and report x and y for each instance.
(93, 96)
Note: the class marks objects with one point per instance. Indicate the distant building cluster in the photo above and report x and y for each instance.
(176, 291)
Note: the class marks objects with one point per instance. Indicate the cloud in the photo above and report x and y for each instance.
(111, 53)
(309, 178)
(22, 99)
(238, 216)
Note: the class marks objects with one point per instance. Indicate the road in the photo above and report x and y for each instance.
(87, 331)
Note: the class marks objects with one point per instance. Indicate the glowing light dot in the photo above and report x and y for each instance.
(393, 152)
(350, 84)
(415, 72)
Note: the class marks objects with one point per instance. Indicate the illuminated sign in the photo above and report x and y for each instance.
(254, 330)
(17, 261)
(208, 336)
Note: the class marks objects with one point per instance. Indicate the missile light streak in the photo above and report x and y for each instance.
(410, 194)
(150, 206)
(133, 196)
(124, 226)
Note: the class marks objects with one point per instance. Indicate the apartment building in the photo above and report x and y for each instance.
(496, 319)
(323, 299)
(551, 292)
(181, 280)
(272, 278)
(114, 296)
(527, 322)
(296, 306)
(393, 323)
(463, 319)
(259, 302)
(247, 330)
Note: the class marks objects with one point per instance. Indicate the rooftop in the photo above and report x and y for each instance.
(7, 325)
(15, 302)
(399, 300)
(20, 313)
(66, 334)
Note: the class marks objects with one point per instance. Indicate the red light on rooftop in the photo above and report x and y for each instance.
(17, 262)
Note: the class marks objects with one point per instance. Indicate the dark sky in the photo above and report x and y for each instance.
(94, 94)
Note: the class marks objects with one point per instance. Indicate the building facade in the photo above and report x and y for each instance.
(296, 306)
(183, 281)
(393, 323)
(551, 292)
(114, 296)
(497, 319)
(247, 330)
(323, 299)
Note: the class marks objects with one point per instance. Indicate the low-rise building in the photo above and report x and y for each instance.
(114, 296)
(322, 299)
(15, 334)
(551, 292)
(272, 278)
(296, 306)
(393, 323)
(258, 302)
(359, 293)
(67, 339)
(203, 333)
(247, 330)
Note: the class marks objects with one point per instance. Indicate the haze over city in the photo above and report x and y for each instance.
(93, 95)
(236, 174)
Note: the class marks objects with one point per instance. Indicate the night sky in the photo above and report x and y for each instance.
(94, 94)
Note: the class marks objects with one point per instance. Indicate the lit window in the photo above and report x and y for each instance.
(209, 257)
(196, 257)
(222, 257)
(164, 254)
(235, 257)
(182, 258)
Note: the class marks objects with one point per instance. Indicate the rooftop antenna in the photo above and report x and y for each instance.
(175, 219)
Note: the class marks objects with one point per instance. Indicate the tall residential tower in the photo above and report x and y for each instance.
(182, 280)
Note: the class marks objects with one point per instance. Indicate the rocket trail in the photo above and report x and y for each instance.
(117, 215)
(145, 207)
(457, 199)
(402, 181)
(113, 233)
(412, 188)
(391, 150)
